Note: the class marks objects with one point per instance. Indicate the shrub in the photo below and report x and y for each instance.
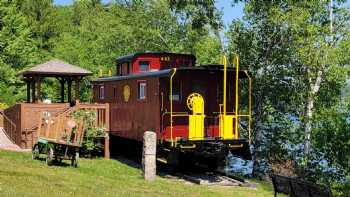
(93, 135)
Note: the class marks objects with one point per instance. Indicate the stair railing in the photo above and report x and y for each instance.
(9, 127)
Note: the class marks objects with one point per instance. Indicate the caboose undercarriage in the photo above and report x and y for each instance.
(213, 147)
(211, 152)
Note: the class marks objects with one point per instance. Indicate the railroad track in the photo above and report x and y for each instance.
(210, 178)
(202, 176)
(196, 174)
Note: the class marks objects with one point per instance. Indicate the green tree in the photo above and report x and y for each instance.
(293, 56)
(17, 50)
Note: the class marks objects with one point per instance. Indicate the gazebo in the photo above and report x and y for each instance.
(64, 72)
(23, 122)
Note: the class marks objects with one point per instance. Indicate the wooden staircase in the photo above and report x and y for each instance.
(6, 143)
(7, 130)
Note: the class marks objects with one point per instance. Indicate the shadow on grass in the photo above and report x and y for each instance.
(132, 162)
(61, 163)
(163, 170)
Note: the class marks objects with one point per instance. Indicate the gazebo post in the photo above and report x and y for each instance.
(33, 91)
(69, 81)
(28, 90)
(77, 88)
(62, 81)
(39, 98)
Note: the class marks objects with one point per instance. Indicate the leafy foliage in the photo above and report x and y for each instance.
(92, 34)
(92, 134)
(300, 66)
(17, 49)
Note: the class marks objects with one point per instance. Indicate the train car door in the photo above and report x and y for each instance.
(201, 87)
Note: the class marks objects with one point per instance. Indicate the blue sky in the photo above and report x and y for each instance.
(224, 5)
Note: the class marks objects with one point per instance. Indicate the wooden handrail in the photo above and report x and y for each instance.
(9, 131)
(8, 119)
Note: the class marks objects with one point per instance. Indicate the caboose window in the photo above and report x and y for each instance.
(176, 92)
(144, 66)
(102, 92)
(142, 90)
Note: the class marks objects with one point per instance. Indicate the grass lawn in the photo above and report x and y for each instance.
(21, 176)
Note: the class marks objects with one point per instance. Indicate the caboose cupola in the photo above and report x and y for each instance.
(152, 61)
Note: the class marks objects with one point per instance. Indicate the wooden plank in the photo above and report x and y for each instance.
(55, 129)
(40, 125)
(81, 133)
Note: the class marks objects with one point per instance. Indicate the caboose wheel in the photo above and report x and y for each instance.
(49, 157)
(35, 152)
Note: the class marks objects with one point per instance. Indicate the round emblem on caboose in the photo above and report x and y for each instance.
(126, 93)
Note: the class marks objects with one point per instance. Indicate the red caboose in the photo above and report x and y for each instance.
(183, 103)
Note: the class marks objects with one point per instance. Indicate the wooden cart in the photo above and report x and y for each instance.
(59, 137)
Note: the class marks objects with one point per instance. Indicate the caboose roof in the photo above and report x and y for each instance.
(128, 58)
(168, 72)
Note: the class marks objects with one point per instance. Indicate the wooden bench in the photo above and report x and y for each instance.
(298, 188)
(281, 184)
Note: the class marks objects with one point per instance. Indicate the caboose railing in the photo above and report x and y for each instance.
(211, 122)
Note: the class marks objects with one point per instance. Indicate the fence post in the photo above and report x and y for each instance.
(106, 149)
(149, 155)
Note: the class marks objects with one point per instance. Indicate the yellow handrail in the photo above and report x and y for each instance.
(236, 59)
(225, 81)
(224, 96)
(171, 106)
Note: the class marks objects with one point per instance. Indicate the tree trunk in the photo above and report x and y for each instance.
(258, 154)
(308, 122)
(309, 110)
(313, 91)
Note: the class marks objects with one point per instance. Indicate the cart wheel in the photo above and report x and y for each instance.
(35, 152)
(49, 158)
(75, 160)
